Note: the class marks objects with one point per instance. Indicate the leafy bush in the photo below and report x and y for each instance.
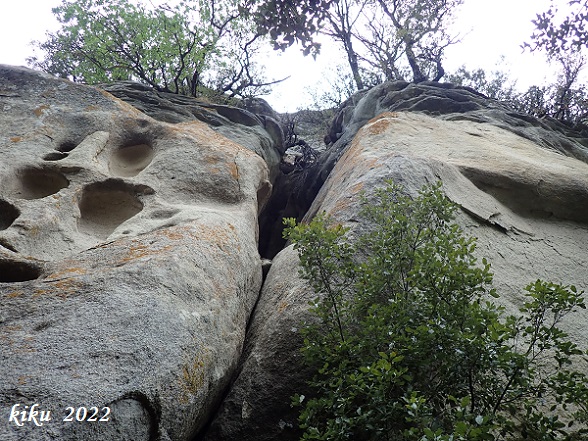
(407, 345)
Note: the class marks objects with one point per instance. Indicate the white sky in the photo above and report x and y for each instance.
(490, 29)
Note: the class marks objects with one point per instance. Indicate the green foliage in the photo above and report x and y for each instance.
(289, 21)
(383, 39)
(493, 84)
(107, 40)
(407, 346)
(564, 100)
(420, 35)
(184, 48)
(564, 41)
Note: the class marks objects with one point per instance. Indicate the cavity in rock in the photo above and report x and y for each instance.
(106, 205)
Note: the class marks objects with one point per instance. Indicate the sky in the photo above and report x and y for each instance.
(489, 30)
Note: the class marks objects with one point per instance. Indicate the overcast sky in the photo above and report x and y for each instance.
(490, 29)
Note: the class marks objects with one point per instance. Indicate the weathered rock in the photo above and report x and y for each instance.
(257, 407)
(524, 201)
(260, 133)
(437, 99)
(128, 262)
(128, 243)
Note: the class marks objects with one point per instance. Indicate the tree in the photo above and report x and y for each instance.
(495, 85)
(341, 23)
(392, 32)
(570, 98)
(289, 21)
(172, 49)
(564, 99)
(420, 31)
(109, 40)
(407, 346)
(571, 33)
(564, 42)
(378, 34)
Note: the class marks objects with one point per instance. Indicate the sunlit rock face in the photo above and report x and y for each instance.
(128, 262)
(522, 188)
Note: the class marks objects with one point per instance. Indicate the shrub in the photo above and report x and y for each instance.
(407, 344)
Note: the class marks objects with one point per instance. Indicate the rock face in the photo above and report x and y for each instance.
(522, 185)
(259, 132)
(257, 407)
(439, 100)
(130, 276)
(128, 261)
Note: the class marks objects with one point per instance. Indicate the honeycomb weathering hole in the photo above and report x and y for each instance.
(8, 214)
(130, 160)
(67, 146)
(55, 156)
(104, 206)
(16, 271)
(32, 183)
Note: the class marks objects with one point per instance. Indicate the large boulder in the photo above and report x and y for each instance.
(128, 263)
(522, 187)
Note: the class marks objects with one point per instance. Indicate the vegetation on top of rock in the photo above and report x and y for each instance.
(407, 345)
(211, 48)
(565, 99)
(179, 49)
(396, 38)
(194, 43)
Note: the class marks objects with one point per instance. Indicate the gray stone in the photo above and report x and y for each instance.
(436, 99)
(259, 133)
(258, 405)
(128, 261)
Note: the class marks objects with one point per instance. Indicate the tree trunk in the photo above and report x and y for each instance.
(417, 74)
(353, 64)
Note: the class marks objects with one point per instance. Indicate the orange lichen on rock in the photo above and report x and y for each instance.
(39, 292)
(155, 245)
(342, 204)
(234, 170)
(39, 110)
(62, 288)
(25, 346)
(380, 123)
(142, 251)
(67, 272)
(357, 188)
(14, 294)
(219, 236)
(174, 234)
